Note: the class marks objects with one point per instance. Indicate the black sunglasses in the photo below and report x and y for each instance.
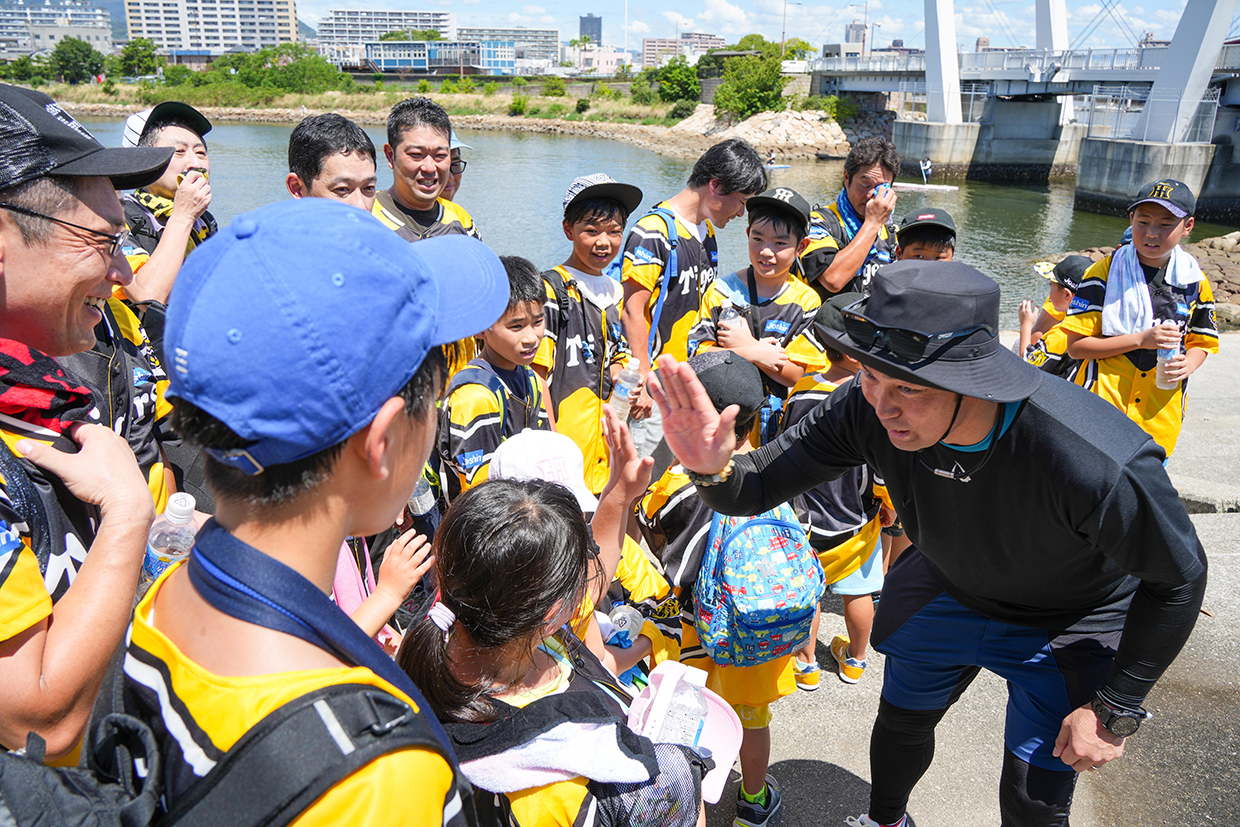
(458, 166)
(907, 345)
(115, 242)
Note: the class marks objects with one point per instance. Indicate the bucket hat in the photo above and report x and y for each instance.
(935, 323)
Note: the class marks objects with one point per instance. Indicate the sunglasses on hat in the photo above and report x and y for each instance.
(906, 345)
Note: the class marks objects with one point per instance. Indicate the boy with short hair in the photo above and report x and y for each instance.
(843, 518)
(1145, 296)
(584, 348)
(329, 156)
(315, 426)
(1043, 341)
(675, 523)
(496, 395)
(928, 234)
(776, 309)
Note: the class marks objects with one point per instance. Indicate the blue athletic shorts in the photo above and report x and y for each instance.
(934, 647)
(865, 580)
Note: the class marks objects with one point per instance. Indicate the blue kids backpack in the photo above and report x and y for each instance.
(757, 589)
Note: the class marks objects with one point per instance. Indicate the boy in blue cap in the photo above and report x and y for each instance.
(316, 424)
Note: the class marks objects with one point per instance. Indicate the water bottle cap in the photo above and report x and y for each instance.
(180, 509)
(633, 364)
(695, 676)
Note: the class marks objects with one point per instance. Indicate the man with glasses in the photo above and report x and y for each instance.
(456, 168)
(1048, 544)
(74, 509)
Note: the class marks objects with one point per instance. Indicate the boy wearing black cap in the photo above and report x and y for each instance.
(1043, 341)
(167, 218)
(316, 426)
(675, 523)
(775, 309)
(928, 234)
(1146, 298)
(74, 509)
(1050, 547)
(585, 348)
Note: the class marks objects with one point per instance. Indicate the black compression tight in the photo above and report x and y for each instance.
(902, 747)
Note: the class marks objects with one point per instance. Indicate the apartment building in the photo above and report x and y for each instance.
(27, 27)
(349, 27)
(443, 57)
(213, 24)
(531, 44)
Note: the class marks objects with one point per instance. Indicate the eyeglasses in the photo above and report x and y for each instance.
(907, 345)
(458, 167)
(115, 242)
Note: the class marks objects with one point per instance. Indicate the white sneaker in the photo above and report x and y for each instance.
(864, 820)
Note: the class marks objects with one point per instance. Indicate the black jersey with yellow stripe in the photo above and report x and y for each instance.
(453, 219)
(827, 236)
(577, 352)
(478, 413)
(646, 254)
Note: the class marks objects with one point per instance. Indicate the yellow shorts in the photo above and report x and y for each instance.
(750, 690)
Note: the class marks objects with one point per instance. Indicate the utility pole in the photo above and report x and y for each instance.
(783, 35)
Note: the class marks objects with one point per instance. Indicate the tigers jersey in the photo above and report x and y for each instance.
(1127, 380)
(474, 420)
(453, 219)
(196, 716)
(1050, 353)
(128, 383)
(646, 253)
(788, 317)
(840, 515)
(639, 584)
(579, 379)
(827, 236)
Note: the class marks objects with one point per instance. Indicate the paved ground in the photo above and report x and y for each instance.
(1182, 768)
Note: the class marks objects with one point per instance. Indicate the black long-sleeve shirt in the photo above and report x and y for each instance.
(1071, 525)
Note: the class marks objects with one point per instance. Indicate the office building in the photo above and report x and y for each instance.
(592, 27)
(213, 24)
(854, 32)
(702, 42)
(27, 27)
(655, 50)
(443, 57)
(353, 27)
(531, 44)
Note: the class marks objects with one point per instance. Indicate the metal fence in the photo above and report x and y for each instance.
(912, 104)
(1116, 112)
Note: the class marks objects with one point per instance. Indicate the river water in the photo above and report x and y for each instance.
(515, 184)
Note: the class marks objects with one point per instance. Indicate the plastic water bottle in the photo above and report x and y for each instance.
(422, 500)
(626, 383)
(628, 622)
(728, 313)
(686, 714)
(1168, 353)
(170, 540)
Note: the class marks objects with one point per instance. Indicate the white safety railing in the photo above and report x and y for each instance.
(1027, 60)
(1115, 112)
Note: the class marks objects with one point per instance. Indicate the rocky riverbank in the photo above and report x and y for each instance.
(1219, 258)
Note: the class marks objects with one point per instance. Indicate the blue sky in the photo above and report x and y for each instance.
(1005, 22)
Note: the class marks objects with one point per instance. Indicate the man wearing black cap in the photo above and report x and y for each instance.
(168, 217)
(1080, 597)
(73, 526)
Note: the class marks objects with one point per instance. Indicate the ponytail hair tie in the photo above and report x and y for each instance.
(442, 617)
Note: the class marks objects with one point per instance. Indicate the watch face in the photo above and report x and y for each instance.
(1123, 726)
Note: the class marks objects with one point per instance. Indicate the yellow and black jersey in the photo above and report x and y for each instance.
(1128, 380)
(452, 220)
(128, 383)
(1050, 353)
(841, 515)
(578, 351)
(674, 297)
(787, 317)
(197, 716)
(479, 412)
(146, 215)
(827, 236)
(641, 585)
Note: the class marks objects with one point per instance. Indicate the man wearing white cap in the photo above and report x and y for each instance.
(167, 218)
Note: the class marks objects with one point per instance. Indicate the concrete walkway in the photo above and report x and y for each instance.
(1183, 767)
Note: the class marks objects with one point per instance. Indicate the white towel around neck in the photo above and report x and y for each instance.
(1127, 307)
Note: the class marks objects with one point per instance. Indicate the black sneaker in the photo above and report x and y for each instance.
(751, 815)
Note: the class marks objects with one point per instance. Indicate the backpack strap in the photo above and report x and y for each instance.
(472, 374)
(673, 238)
(286, 761)
(559, 286)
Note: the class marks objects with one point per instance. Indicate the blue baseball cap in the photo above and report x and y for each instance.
(294, 324)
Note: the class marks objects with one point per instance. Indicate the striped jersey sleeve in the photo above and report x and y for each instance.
(674, 522)
(471, 425)
(24, 600)
(1085, 312)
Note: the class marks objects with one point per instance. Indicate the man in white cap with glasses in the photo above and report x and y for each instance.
(74, 508)
(1049, 547)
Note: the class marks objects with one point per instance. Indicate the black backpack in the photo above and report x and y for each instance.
(273, 773)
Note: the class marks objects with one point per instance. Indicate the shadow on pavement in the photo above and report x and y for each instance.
(815, 793)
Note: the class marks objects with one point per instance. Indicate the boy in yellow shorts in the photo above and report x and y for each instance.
(675, 523)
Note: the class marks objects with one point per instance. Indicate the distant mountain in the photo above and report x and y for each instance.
(304, 32)
(116, 8)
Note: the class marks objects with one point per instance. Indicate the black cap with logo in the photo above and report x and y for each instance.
(1170, 193)
(784, 199)
(40, 138)
(927, 217)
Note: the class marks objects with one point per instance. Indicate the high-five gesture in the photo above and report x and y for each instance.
(701, 438)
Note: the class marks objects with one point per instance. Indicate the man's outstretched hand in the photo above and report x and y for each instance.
(701, 438)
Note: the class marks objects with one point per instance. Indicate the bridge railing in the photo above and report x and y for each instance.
(1116, 112)
(1038, 60)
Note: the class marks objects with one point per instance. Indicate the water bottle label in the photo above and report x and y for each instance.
(697, 736)
(154, 564)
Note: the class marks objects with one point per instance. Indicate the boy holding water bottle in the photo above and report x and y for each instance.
(1143, 317)
(584, 349)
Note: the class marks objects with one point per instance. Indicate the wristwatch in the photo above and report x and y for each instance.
(1119, 722)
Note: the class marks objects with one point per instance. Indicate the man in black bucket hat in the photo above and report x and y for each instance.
(1048, 544)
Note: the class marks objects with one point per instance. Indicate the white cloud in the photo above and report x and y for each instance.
(639, 27)
(725, 17)
(679, 20)
(534, 10)
(471, 2)
(546, 18)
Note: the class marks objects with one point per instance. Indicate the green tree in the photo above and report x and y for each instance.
(177, 75)
(289, 67)
(424, 87)
(412, 34)
(797, 49)
(22, 69)
(138, 58)
(76, 60)
(678, 81)
(750, 85)
(554, 87)
(466, 84)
